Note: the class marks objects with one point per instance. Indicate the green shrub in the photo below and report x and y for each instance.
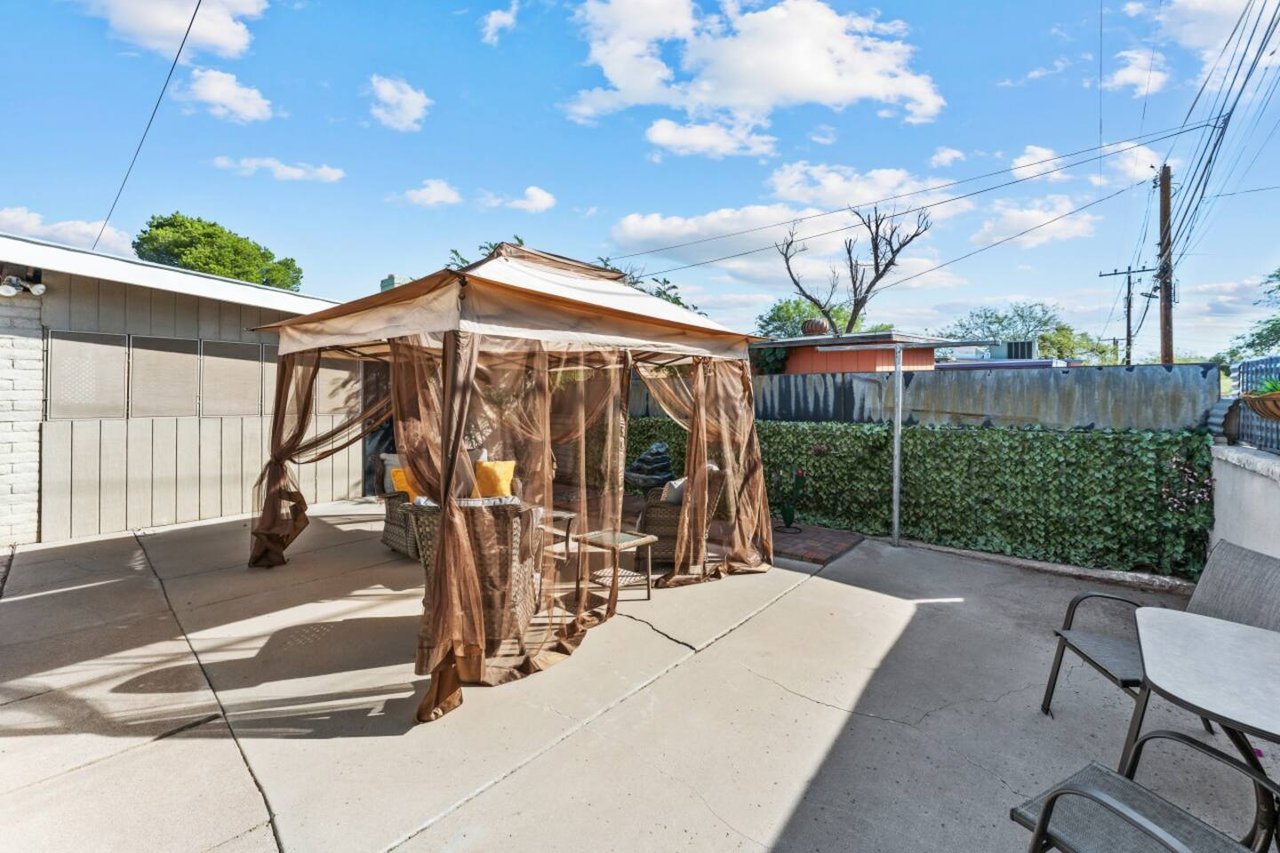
(1133, 501)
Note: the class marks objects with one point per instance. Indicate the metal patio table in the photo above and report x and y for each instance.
(617, 544)
(1222, 671)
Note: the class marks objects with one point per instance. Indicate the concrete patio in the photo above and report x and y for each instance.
(157, 695)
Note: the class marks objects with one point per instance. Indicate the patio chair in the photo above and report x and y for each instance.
(397, 527)
(506, 539)
(1100, 810)
(1237, 584)
(662, 519)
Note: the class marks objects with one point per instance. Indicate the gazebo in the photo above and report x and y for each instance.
(507, 385)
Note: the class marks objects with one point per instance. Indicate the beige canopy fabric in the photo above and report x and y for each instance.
(517, 292)
(524, 358)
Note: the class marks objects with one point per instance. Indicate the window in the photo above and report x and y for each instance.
(232, 379)
(87, 375)
(165, 377)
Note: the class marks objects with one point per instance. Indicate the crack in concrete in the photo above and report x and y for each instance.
(976, 700)
(964, 756)
(689, 786)
(660, 632)
(222, 710)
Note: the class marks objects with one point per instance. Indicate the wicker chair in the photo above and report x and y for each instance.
(508, 555)
(397, 528)
(662, 519)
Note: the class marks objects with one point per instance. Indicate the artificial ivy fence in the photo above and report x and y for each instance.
(1132, 501)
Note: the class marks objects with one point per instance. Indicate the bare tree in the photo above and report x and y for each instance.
(889, 239)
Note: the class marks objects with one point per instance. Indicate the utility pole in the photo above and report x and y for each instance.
(1164, 274)
(1128, 273)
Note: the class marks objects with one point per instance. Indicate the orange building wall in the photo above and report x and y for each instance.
(810, 360)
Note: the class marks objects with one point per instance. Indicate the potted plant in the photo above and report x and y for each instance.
(1265, 399)
(789, 495)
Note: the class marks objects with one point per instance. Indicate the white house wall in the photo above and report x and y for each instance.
(67, 478)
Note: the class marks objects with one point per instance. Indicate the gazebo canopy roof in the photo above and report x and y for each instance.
(519, 293)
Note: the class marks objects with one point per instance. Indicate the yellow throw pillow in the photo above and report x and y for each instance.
(400, 483)
(493, 479)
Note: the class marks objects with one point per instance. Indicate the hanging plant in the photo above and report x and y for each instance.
(1265, 399)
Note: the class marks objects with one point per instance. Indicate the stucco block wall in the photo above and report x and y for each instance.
(1246, 495)
(21, 405)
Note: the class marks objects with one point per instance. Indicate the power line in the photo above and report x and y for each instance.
(1011, 237)
(945, 264)
(1107, 150)
(1246, 192)
(147, 129)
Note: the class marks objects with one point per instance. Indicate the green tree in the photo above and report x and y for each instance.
(786, 318)
(457, 261)
(192, 243)
(663, 288)
(1022, 321)
(1264, 337)
(1026, 321)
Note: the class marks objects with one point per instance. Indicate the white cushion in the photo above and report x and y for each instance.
(389, 461)
(673, 492)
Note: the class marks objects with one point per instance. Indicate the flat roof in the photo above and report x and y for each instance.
(869, 340)
(25, 251)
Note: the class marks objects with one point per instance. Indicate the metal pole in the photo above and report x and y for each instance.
(897, 443)
(1166, 267)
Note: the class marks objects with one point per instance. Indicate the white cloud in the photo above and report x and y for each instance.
(1030, 164)
(434, 192)
(281, 171)
(1145, 71)
(1201, 26)
(1009, 218)
(398, 105)
(534, 200)
(225, 97)
(1134, 9)
(158, 25)
(835, 186)
(823, 134)
(736, 67)
(71, 232)
(945, 156)
(499, 21)
(1056, 67)
(711, 139)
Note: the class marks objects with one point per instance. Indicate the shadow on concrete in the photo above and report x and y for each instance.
(946, 735)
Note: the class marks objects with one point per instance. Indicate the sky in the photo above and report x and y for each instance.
(364, 139)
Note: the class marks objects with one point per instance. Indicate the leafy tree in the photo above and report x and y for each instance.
(192, 243)
(663, 288)
(1022, 321)
(1025, 321)
(457, 261)
(786, 318)
(1264, 337)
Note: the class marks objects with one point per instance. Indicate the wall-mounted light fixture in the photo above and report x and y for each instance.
(11, 285)
(32, 282)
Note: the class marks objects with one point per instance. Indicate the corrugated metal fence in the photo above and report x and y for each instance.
(1246, 376)
(1141, 397)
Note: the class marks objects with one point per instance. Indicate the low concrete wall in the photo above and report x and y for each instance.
(1246, 498)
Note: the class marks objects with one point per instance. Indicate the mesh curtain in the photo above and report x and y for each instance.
(714, 401)
(560, 417)
(284, 509)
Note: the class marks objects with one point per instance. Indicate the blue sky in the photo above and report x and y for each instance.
(365, 139)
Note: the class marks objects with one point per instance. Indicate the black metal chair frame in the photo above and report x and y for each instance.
(1129, 686)
(1041, 839)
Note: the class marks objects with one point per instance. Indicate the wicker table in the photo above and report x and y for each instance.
(616, 544)
(1221, 671)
